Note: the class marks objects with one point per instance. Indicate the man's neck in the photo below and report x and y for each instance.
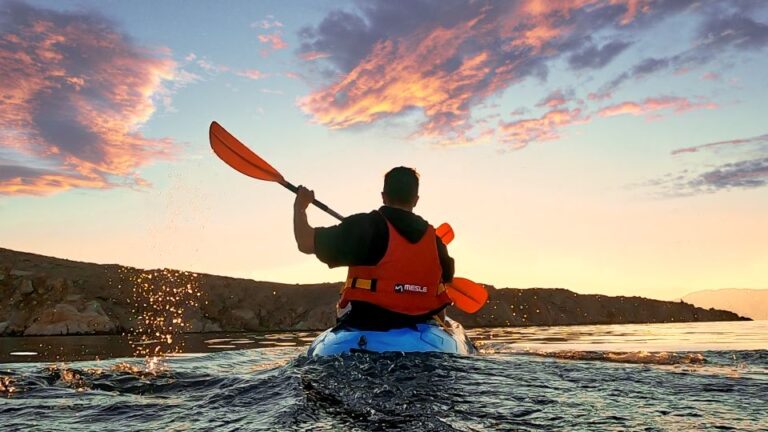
(408, 209)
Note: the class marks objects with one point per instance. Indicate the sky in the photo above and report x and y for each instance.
(604, 146)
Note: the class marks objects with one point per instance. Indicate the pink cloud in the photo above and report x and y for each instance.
(75, 95)
(520, 133)
(314, 55)
(253, 74)
(710, 76)
(274, 40)
(652, 105)
(212, 68)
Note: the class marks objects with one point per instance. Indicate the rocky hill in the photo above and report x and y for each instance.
(42, 295)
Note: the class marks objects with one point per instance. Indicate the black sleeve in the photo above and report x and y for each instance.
(357, 240)
(446, 262)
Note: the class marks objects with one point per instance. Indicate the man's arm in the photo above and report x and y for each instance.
(304, 233)
(446, 262)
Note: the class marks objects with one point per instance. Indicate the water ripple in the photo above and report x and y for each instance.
(510, 387)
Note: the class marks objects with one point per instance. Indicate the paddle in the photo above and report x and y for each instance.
(468, 296)
(238, 156)
(445, 232)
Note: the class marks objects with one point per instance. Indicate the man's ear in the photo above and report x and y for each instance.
(416, 201)
(384, 199)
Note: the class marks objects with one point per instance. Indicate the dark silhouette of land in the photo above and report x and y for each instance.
(42, 295)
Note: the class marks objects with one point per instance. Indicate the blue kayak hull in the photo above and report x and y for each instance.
(428, 337)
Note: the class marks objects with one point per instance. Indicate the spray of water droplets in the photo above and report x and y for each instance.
(7, 385)
(162, 302)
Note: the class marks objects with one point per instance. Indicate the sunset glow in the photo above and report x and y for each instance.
(605, 146)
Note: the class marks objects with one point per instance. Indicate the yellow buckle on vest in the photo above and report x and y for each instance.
(360, 283)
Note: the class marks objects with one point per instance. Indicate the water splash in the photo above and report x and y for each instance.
(69, 377)
(162, 302)
(7, 386)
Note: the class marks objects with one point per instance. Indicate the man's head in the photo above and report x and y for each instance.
(401, 188)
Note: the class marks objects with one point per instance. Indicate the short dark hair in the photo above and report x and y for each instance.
(401, 185)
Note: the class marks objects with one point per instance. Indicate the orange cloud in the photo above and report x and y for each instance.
(75, 93)
(650, 105)
(520, 133)
(15, 180)
(443, 70)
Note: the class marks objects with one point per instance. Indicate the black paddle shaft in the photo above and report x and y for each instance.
(317, 203)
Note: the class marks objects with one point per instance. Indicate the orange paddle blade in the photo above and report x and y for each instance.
(445, 232)
(238, 156)
(467, 295)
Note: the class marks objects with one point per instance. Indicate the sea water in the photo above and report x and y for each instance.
(688, 376)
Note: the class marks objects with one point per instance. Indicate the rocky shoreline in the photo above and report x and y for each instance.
(42, 295)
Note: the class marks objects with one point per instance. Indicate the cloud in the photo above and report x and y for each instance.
(748, 170)
(253, 74)
(24, 180)
(210, 67)
(443, 58)
(733, 27)
(724, 27)
(644, 68)
(650, 105)
(274, 40)
(314, 55)
(267, 23)
(594, 57)
(761, 139)
(520, 133)
(75, 93)
(743, 174)
(554, 99)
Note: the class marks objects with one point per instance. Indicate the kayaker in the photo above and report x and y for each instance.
(397, 264)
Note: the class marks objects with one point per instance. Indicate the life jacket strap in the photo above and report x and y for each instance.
(368, 284)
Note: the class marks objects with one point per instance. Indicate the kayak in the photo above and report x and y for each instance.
(449, 338)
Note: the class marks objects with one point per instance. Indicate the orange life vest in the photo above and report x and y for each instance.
(407, 280)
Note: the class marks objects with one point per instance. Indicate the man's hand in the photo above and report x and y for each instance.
(304, 233)
(304, 198)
